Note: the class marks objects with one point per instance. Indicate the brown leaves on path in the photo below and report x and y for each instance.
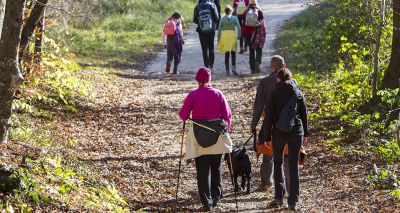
(130, 135)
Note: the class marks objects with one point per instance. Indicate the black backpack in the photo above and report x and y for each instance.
(206, 23)
(208, 132)
(287, 116)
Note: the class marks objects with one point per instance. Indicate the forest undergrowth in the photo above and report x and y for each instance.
(332, 59)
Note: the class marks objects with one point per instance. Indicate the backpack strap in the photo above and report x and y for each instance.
(205, 127)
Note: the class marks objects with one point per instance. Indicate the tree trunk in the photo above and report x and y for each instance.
(29, 28)
(376, 63)
(392, 74)
(39, 40)
(398, 131)
(2, 10)
(10, 74)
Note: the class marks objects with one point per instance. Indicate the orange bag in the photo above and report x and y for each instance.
(303, 156)
(264, 150)
(267, 150)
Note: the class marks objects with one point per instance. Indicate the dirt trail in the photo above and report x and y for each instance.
(130, 135)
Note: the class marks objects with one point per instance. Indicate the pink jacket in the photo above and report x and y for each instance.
(206, 103)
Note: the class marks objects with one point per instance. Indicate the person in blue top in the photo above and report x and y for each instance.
(229, 32)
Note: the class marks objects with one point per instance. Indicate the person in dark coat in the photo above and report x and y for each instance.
(286, 88)
(217, 4)
(207, 37)
(261, 104)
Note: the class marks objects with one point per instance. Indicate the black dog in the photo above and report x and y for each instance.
(241, 166)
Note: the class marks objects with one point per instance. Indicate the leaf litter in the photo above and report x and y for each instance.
(130, 134)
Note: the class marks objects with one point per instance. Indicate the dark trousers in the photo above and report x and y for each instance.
(266, 169)
(241, 21)
(170, 52)
(207, 47)
(255, 54)
(278, 145)
(227, 54)
(209, 178)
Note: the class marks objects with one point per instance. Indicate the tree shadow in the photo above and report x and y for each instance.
(130, 158)
(170, 205)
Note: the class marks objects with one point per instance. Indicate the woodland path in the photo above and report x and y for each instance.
(129, 134)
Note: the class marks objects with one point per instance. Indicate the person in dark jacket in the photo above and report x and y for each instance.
(261, 104)
(217, 4)
(206, 37)
(286, 88)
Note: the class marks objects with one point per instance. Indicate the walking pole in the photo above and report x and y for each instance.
(180, 161)
(233, 182)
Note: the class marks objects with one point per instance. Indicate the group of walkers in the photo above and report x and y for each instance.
(283, 105)
(278, 100)
(244, 21)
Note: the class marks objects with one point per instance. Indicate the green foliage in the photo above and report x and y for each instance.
(122, 31)
(49, 181)
(396, 191)
(388, 151)
(54, 82)
(120, 37)
(331, 53)
(382, 178)
(49, 177)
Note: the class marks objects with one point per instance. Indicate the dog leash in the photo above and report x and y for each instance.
(248, 140)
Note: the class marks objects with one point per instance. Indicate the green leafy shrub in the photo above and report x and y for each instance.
(331, 53)
(382, 178)
(56, 81)
(49, 181)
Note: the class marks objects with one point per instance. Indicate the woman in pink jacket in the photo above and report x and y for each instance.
(209, 109)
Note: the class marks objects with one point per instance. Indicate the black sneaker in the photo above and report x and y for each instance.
(167, 67)
(275, 203)
(175, 71)
(292, 207)
(215, 203)
(206, 208)
(257, 68)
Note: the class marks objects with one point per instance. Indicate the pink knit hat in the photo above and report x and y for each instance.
(203, 75)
